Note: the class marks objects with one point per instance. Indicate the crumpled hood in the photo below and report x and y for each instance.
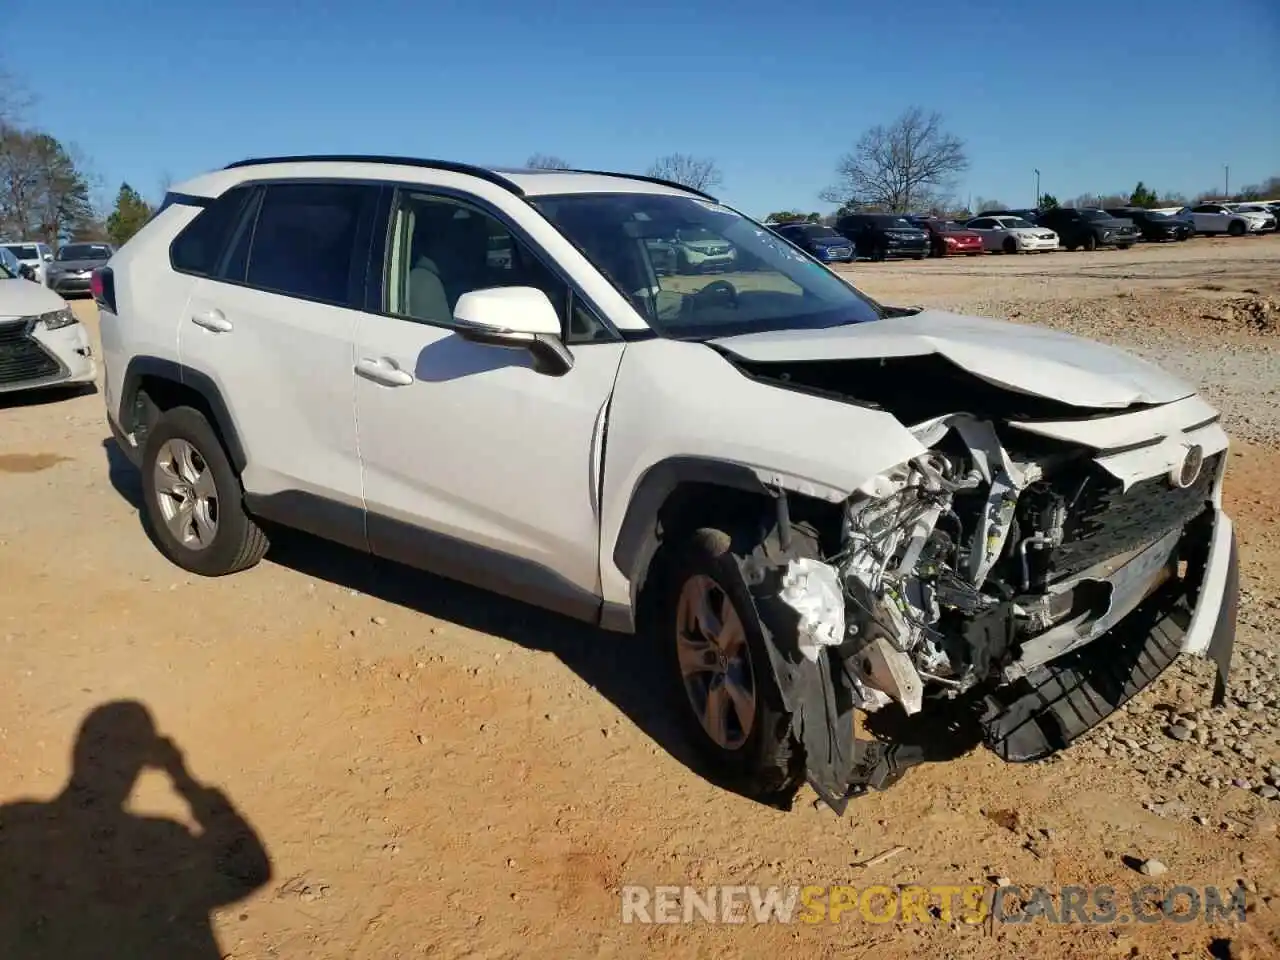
(23, 298)
(1026, 359)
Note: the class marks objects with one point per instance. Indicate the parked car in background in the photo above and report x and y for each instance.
(1211, 218)
(12, 266)
(948, 238)
(698, 250)
(1266, 209)
(817, 240)
(1154, 226)
(42, 344)
(74, 264)
(1089, 229)
(1025, 213)
(881, 236)
(34, 254)
(1008, 234)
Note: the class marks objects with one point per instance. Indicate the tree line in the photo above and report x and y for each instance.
(45, 184)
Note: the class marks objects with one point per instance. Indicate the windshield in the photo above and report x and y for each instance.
(816, 232)
(895, 223)
(763, 283)
(24, 251)
(1015, 223)
(84, 251)
(1095, 214)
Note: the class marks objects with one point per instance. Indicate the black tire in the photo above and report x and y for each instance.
(769, 762)
(1010, 245)
(1072, 247)
(1123, 246)
(1090, 242)
(238, 542)
(879, 253)
(1236, 228)
(917, 256)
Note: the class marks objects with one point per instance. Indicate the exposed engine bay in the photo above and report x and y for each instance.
(975, 564)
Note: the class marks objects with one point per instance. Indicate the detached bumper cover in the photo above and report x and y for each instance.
(1065, 698)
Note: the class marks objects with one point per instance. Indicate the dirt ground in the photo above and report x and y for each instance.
(435, 772)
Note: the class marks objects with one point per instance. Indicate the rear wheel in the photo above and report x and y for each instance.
(193, 505)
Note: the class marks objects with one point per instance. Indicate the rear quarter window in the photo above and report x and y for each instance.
(198, 246)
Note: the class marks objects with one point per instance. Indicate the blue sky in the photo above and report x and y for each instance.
(1096, 94)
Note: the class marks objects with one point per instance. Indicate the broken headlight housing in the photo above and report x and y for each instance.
(57, 319)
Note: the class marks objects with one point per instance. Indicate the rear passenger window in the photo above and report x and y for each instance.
(197, 247)
(305, 241)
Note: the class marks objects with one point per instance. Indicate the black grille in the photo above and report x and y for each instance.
(1104, 521)
(21, 357)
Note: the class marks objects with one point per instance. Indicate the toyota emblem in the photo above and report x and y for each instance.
(1187, 472)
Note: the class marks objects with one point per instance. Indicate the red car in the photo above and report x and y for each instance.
(948, 238)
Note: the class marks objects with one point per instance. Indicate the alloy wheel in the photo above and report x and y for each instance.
(186, 494)
(715, 662)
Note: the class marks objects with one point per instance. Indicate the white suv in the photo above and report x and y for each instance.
(812, 503)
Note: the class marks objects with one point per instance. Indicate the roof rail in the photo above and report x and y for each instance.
(646, 179)
(469, 169)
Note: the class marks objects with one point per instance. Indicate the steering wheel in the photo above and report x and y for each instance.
(716, 291)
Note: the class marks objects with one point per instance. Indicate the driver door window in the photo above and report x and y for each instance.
(442, 248)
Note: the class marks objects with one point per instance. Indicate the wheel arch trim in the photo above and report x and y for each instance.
(202, 384)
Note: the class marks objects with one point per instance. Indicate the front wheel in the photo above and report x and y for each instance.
(879, 253)
(720, 679)
(1091, 242)
(1236, 229)
(1010, 245)
(1123, 246)
(193, 505)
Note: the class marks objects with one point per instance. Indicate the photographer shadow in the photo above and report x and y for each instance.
(82, 877)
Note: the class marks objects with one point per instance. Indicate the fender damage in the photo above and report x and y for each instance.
(1056, 546)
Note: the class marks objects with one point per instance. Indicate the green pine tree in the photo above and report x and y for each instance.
(129, 215)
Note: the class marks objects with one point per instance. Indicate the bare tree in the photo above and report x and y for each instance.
(547, 161)
(43, 191)
(911, 163)
(982, 203)
(697, 173)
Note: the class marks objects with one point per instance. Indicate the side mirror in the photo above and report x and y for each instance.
(48, 258)
(518, 318)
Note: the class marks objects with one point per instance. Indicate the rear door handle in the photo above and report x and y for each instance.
(213, 320)
(383, 371)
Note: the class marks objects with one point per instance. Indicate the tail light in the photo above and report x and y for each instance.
(103, 285)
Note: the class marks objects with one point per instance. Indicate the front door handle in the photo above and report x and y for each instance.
(213, 320)
(383, 371)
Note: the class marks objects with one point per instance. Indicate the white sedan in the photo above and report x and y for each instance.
(1012, 235)
(1220, 218)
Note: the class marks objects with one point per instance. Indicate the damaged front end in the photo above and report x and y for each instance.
(1029, 583)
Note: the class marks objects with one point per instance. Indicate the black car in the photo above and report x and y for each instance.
(1089, 228)
(884, 235)
(819, 241)
(1154, 226)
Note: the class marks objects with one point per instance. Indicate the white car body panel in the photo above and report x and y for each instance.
(1212, 591)
(1220, 221)
(481, 448)
(681, 399)
(1024, 358)
(69, 345)
(287, 374)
